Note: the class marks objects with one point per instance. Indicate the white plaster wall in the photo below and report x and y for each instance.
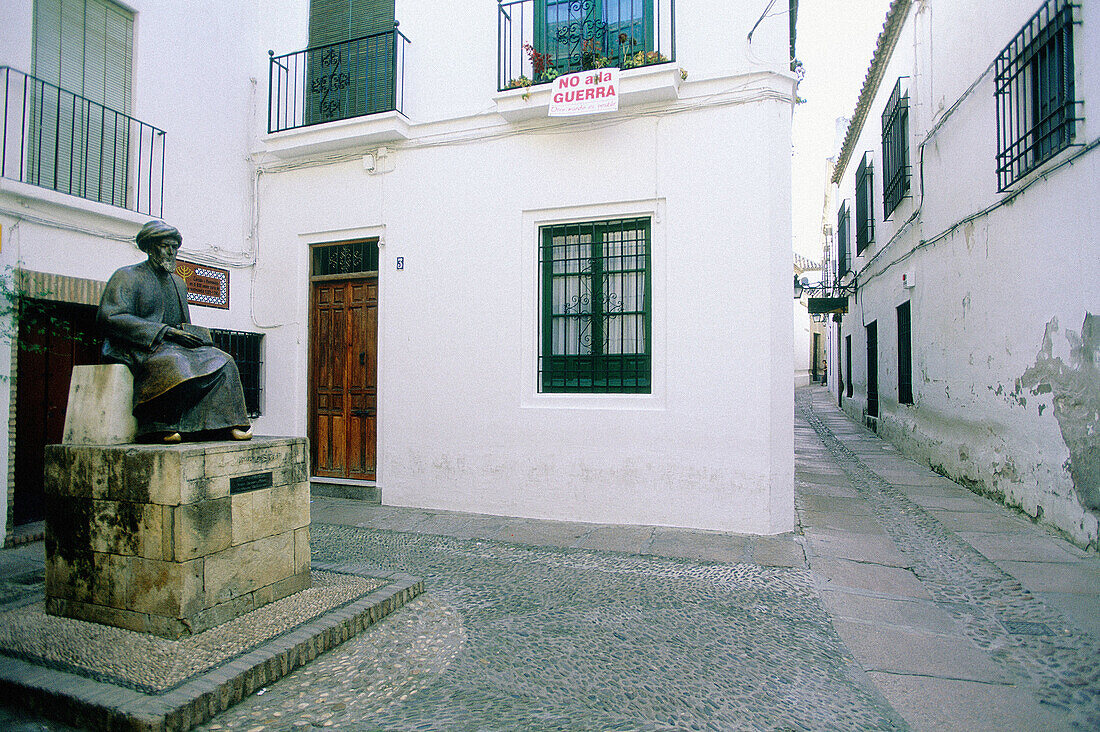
(460, 423)
(988, 291)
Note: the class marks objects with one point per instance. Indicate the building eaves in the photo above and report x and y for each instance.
(804, 264)
(884, 48)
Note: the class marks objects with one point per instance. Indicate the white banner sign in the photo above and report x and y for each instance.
(586, 92)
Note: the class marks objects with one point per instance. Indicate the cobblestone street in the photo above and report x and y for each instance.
(903, 601)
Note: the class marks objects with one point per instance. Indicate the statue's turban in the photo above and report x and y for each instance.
(155, 231)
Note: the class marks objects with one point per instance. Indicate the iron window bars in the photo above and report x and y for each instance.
(344, 258)
(59, 140)
(245, 348)
(1037, 112)
(895, 149)
(595, 287)
(843, 239)
(336, 81)
(865, 203)
(537, 40)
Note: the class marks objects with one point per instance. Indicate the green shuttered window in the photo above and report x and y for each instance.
(351, 59)
(595, 299)
(79, 141)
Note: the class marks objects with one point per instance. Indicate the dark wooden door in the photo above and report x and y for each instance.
(343, 377)
(872, 368)
(53, 337)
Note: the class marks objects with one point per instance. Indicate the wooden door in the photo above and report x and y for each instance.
(344, 384)
(53, 337)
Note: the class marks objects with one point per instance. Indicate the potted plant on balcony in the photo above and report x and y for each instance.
(643, 58)
(592, 55)
(542, 66)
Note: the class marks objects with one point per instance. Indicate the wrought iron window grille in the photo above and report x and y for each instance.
(246, 350)
(337, 81)
(344, 258)
(895, 148)
(68, 143)
(595, 295)
(538, 40)
(1037, 111)
(865, 207)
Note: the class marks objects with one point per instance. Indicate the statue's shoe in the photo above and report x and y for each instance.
(172, 438)
(238, 434)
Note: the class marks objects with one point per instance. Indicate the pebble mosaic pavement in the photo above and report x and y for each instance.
(511, 637)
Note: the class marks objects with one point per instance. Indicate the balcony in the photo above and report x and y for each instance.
(62, 141)
(538, 40)
(339, 81)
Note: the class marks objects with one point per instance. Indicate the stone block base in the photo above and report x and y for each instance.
(175, 539)
(100, 406)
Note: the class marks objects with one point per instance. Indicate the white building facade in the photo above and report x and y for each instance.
(965, 224)
(463, 302)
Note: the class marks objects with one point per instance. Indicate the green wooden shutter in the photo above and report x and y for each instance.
(350, 79)
(83, 49)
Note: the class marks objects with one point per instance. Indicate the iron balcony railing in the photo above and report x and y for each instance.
(337, 81)
(60, 140)
(538, 40)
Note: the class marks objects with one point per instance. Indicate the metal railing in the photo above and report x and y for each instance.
(336, 81)
(538, 40)
(60, 140)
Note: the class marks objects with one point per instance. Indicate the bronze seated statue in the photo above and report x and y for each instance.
(183, 385)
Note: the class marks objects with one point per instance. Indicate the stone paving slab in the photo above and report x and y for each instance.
(1055, 576)
(1020, 546)
(98, 704)
(865, 548)
(906, 614)
(956, 705)
(880, 647)
(843, 574)
(982, 522)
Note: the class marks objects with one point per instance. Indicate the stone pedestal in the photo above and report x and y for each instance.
(175, 539)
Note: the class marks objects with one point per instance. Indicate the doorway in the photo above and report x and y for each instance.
(343, 357)
(53, 338)
(872, 369)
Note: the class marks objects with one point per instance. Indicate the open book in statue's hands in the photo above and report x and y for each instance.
(198, 331)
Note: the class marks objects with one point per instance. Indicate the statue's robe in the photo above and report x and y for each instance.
(176, 389)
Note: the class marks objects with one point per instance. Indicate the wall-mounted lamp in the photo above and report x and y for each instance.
(800, 286)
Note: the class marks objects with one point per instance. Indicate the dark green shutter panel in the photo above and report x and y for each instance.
(332, 21)
(355, 77)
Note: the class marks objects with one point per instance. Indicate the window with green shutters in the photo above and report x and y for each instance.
(80, 132)
(595, 285)
(351, 59)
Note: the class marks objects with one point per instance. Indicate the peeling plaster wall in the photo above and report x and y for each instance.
(1004, 335)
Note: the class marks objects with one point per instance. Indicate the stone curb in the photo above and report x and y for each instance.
(87, 703)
